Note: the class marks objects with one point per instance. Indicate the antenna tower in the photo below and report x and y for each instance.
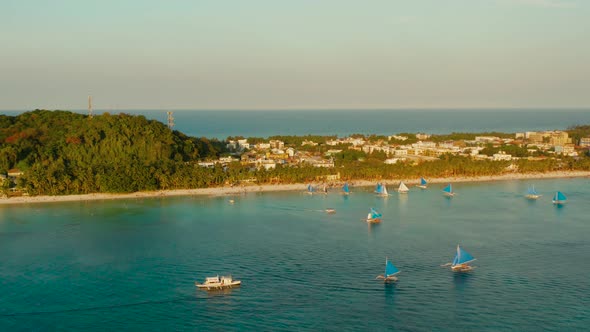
(90, 107)
(170, 120)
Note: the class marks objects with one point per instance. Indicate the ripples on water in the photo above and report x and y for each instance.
(132, 264)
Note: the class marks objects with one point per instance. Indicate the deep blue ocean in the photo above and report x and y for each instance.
(131, 264)
(223, 123)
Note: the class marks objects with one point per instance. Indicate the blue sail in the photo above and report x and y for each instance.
(379, 188)
(448, 189)
(375, 214)
(559, 196)
(462, 257)
(345, 188)
(423, 182)
(390, 269)
(310, 188)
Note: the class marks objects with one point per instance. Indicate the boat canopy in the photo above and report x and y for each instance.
(212, 279)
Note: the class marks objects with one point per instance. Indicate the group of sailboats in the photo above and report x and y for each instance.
(381, 189)
(324, 190)
(313, 190)
(461, 263)
(558, 199)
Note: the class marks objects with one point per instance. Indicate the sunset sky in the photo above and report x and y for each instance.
(273, 54)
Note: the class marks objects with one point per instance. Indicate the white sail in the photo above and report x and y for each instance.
(403, 188)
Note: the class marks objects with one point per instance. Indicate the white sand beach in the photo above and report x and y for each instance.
(222, 191)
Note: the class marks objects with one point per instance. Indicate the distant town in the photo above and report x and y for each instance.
(531, 145)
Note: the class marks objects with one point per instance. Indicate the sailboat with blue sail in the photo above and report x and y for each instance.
(461, 261)
(559, 198)
(422, 184)
(345, 189)
(310, 189)
(532, 193)
(381, 190)
(448, 191)
(390, 272)
(373, 216)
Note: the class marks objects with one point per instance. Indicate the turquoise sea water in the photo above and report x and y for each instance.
(132, 264)
(223, 123)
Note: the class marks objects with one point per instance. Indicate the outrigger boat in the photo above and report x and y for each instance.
(532, 193)
(422, 184)
(330, 210)
(559, 198)
(461, 261)
(345, 189)
(381, 190)
(448, 191)
(390, 272)
(215, 283)
(373, 217)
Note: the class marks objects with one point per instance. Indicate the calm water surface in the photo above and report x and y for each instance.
(132, 264)
(223, 123)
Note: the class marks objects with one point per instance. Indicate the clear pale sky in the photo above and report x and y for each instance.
(274, 54)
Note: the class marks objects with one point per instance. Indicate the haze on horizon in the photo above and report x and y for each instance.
(268, 54)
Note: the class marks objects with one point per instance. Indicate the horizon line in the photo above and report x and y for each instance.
(545, 108)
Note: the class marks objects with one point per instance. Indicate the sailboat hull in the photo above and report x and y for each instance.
(449, 194)
(421, 186)
(531, 196)
(461, 268)
(373, 220)
(218, 286)
(387, 279)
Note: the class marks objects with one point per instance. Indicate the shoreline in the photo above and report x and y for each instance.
(225, 191)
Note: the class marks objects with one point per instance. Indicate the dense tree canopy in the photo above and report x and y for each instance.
(63, 153)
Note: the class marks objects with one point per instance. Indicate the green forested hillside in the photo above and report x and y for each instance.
(63, 153)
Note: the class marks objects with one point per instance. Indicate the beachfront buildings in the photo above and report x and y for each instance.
(554, 137)
(397, 148)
